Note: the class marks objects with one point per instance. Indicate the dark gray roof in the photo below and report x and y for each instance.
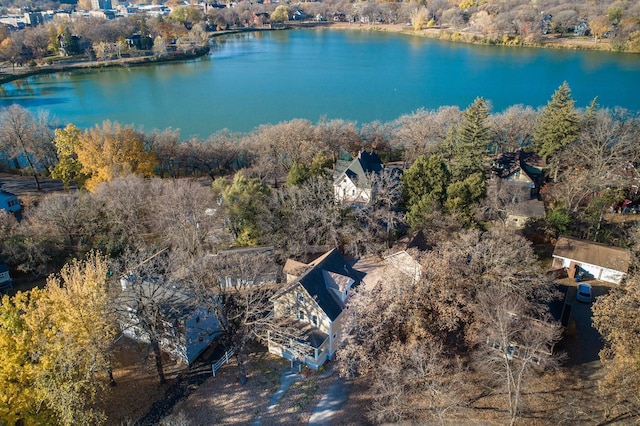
(365, 164)
(314, 282)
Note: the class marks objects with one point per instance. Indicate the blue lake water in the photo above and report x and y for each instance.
(268, 77)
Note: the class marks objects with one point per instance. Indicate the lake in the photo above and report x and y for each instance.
(268, 77)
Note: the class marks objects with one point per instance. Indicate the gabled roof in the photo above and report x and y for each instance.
(507, 163)
(365, 164)
(314, 281)
(615, 258)
(295, 268)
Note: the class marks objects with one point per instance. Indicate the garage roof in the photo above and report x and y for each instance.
(596, 254)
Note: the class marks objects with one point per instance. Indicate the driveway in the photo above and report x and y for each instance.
(588, 342)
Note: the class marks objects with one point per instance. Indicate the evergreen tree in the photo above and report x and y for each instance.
(298, 174)
(426, 178)
(245, 203)
(473, 140)
(559, 124)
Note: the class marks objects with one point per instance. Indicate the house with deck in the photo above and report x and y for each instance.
(311, 305)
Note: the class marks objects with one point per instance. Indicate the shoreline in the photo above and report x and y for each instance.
(446, 34)
(77, 65)
(442, 34)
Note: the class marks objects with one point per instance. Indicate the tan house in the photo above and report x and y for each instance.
(518, 213)
(598, 261)
(312, 304)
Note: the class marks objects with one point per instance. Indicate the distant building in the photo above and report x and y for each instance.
(101, 4)
(5, 278)
(33, 18)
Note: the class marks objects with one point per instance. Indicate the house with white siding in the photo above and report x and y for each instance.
(353, 180)
(595, 260)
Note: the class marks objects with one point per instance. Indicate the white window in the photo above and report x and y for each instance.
(314, 320)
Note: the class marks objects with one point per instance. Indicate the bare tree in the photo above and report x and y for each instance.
(423, 131)
(512, 129)
(237, 287)
(27, 137)
(186, 216)
(150, 303)
(307, 215)
(394, 337)
(517, 347)
(339, 135)
(381, 219)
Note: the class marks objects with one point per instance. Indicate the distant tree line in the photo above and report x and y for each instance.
(515, 23)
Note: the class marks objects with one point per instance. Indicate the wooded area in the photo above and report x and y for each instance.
(159, 214)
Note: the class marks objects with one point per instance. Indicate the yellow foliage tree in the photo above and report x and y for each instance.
(54, 345)
(419, 18)
(68, 169)
(19, 399)
(599, 26)
(113, 151)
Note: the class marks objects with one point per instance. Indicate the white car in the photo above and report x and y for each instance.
(584, 293)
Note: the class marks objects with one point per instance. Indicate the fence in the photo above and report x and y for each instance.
(218, 364)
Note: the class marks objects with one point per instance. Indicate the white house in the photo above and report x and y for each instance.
(9, 202)
(352, 183)
(599, 261)
(311, 306)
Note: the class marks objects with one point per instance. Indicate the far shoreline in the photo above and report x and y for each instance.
(441, 34)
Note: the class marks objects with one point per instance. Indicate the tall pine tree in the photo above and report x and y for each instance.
(559, 124)
(473, 141)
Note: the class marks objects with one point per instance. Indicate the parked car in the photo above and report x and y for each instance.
(584, 293)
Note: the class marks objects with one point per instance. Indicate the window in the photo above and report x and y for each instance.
(314, 320)
(301, 314)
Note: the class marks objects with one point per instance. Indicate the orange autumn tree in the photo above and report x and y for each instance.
(113, 151)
